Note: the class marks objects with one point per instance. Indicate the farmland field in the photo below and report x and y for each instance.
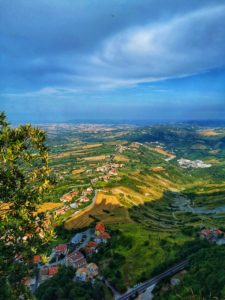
(106, 208)
(152, 206)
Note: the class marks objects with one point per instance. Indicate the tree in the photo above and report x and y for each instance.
(62, 287)
(24, 179)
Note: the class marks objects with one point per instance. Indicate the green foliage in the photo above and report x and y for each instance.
(24, 179)
(205, 278)
(62, 287)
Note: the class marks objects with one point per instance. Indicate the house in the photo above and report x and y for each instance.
(90, 248)
(76, 239)
(94, 180)
(105, 236)
(60, 211)
(37, 259)
(29, 282)
(87, 251)
(84, 199)
(69, 196)
(76, 260)
(74, 205)
(205, 233)
(46, 273)
(93, 269)
(99, 228)
(82, 274)
(92, 244)
(113, 172)
(89, 190)
(53, 270)
(101, 234)
(61, 249)
(213, 236)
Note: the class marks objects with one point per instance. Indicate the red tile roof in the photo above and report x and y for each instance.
(92, 244)
(53, 270)
(37, 259)
(105, 235)
(100, 227)
(61, 248)
(88, 250)
(76, 255)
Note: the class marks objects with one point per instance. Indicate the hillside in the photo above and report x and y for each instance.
(147, 199)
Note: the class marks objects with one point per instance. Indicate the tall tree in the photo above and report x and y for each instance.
(24, 179)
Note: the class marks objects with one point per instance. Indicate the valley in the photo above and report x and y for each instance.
(130, 179)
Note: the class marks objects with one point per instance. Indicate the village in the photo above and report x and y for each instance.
(213, 236)
(76, 199)
(73, 254)
(186, 163)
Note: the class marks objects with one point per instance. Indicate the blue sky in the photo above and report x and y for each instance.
(112, 60)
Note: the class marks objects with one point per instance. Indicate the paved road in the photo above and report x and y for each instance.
(88, 233)
(141, 288)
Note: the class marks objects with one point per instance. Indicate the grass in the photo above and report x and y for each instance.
(142, 249)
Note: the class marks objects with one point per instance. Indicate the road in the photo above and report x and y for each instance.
(141, 288)
(87, 207)
(88, 233)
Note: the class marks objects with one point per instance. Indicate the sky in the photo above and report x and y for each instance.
(114, 60)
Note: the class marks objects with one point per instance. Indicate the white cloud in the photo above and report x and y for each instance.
(185, 45)
(46, 91)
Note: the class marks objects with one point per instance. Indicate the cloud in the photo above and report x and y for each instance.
(185, 45)
(90, 45)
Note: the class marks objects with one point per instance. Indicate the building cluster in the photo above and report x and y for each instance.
(186, 163)
(98, 237)
(108, 170)
(74, 254)
(48, 272)
(69, 196)
(62, 210)
(77, 258)
(213, 236)
(83, 198)
(121, 148)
